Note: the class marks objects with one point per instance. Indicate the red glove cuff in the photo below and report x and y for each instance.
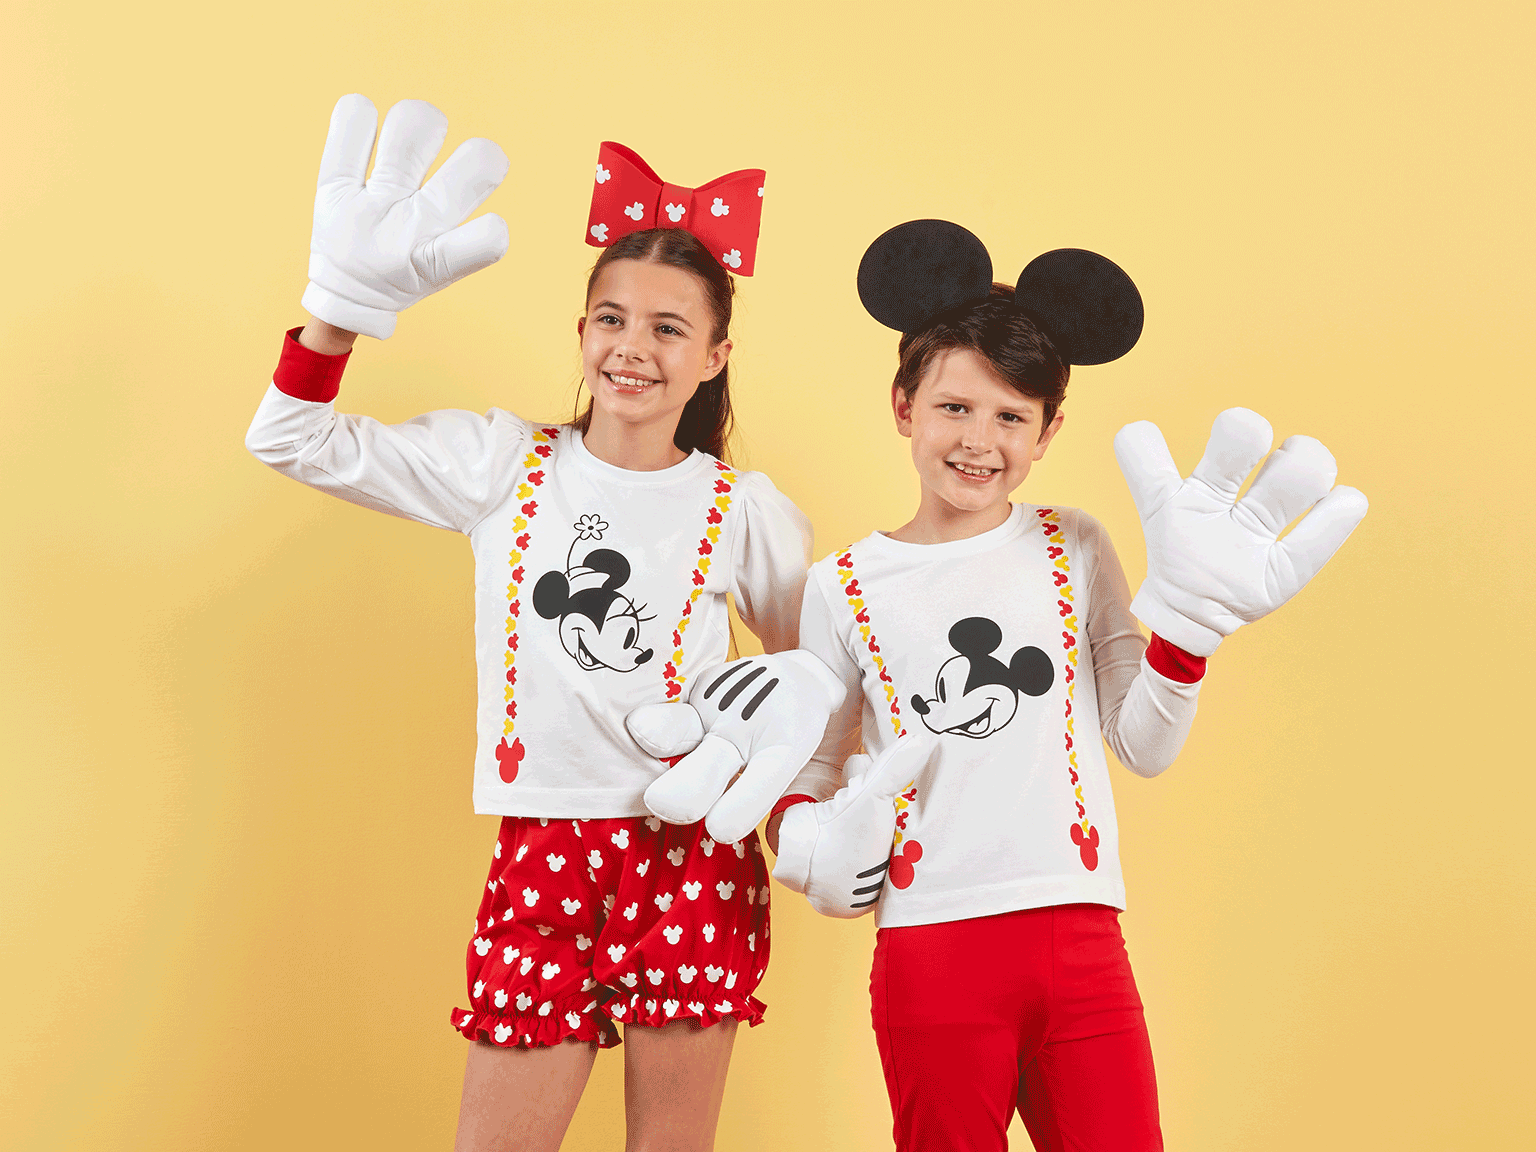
(790, 801)
(1174, 663)
(306, 374)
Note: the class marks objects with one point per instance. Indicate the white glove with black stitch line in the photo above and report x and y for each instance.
(1214, 562)
(765, 712)
(381, 244)
(837, 852)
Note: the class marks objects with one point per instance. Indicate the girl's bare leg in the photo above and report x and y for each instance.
(521, 1098)
(674, 1081)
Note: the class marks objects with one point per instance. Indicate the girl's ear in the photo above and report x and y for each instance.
(1050, 431)
(717, 359)
(581, 327)
(902, 408)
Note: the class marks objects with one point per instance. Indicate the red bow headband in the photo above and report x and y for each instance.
(724, 215)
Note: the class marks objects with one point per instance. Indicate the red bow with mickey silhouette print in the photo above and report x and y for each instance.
(724, 215)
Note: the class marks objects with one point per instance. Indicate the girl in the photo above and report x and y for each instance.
(986, 647)
(604, 550)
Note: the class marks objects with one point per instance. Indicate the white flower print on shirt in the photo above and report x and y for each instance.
(590, 526)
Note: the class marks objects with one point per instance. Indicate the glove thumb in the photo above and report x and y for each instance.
(896, 767)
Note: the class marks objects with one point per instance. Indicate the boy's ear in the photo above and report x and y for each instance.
(901, 407)
(1049, 434)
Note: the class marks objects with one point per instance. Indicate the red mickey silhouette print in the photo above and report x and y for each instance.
(1087, 844)
(902, 870)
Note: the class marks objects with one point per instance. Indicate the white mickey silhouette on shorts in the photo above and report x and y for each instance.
(673, 933)
(502, 1032)
(501, 997)
(709, 933)
(571, 906)
(615, 952)
(691, 889)
(530, 897)
(725, 888)
(654, 975)
(482, 946)
(621, 838)
(713, 972)
(686, 973)
(664, 901)
(676, 856)
(555, 862)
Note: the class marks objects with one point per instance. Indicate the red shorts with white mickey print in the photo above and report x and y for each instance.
(587, 922)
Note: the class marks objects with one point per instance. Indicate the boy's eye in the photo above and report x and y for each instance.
(953, 407)
(1012, 418)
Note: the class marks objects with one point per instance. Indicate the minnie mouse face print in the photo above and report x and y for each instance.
(599, 625)
(976, 694)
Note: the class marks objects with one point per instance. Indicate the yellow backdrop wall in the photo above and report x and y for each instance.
(236, 835)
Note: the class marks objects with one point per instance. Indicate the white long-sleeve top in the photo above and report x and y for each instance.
(597, 589)
(1018, 650)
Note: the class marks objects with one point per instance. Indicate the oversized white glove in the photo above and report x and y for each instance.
(837, 852)
(1214, 562)
(765, 712)
(380, 245)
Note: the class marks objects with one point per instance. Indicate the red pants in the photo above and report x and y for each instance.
(1035, 1011)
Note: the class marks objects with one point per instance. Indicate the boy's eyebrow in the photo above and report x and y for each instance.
(616, 306)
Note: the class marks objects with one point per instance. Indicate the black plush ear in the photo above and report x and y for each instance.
(1032, 671)
(551, 594)
(920, 269)
(611, 562)
(975, 636)
(1087, 305)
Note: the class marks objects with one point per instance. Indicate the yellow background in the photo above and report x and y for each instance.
(238, 853)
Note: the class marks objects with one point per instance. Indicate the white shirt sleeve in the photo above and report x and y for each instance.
(1144, 716)
(770, 555)
(820, 636)
(447, 469)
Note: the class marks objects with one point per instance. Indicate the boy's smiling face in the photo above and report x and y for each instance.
(973, 437)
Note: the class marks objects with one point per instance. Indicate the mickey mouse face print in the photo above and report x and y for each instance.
(976, 694)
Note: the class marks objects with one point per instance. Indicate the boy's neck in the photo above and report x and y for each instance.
(940, 522)
(633, 447)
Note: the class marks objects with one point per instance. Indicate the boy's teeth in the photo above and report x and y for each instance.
(973, 471)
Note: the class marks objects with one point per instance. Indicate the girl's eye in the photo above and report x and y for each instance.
(606, 317)
(668, 330)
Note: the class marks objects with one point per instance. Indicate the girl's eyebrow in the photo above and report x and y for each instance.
(617, 307)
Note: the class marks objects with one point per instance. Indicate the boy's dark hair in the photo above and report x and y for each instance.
(1003, 335)
(706, 421)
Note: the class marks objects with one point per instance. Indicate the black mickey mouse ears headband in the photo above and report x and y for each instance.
(917, 271)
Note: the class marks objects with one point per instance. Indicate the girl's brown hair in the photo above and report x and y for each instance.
(706, 422)
(1001, 333)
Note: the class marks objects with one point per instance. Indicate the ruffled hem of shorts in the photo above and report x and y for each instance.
(746, 1009)
(531, 1030)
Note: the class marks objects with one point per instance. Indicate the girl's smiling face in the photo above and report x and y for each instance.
(647, 343)
(973, 437)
